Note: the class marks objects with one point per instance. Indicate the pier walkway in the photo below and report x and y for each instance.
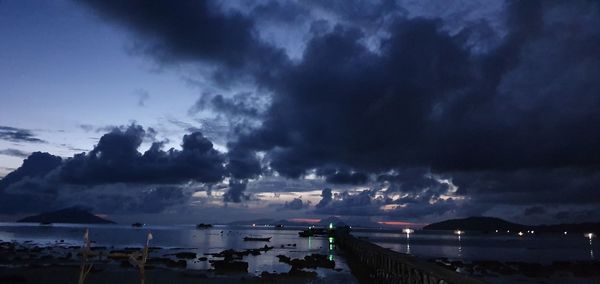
(374, 264)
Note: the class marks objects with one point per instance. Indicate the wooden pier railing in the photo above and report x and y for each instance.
(374, 264)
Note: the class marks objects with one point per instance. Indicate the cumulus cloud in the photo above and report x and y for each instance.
(116, 159)
(235, 192)
(295, 204)
(326, 197)
(114, 176)
(37, 165)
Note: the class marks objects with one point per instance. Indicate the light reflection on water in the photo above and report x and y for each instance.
(473, 246)
(459, 248)
(183, 238)
(470, 246)
(408, 243)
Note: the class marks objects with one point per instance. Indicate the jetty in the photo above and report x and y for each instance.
(371, 263)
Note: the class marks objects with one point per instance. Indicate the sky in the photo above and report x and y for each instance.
(372, 111)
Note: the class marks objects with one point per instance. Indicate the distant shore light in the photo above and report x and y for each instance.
(407, 231)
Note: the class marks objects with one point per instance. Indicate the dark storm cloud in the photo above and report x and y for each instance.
(513, 123)
(193, 30)
(37, 165)
(156, 200)
(114, 176)
(363, 203)
(413, 180)
(295, 204)
(326, 197)
(26, 189)
(29, 194)
(425, 205)
(14, 153)
(426, 101)
(530, 186)
(235, 193)
(116, 159)
(241, 104)
(281, 12)
(13, 134)
(343, 177)
(366, 111)
(360, 13)
(243, 164)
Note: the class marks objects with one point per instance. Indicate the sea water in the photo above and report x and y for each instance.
(531, 247)
(542, 248)
(188, 238)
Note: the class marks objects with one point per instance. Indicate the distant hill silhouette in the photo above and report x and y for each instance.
(273, 222)
(69, 215)
(491, 224)
(476, 224)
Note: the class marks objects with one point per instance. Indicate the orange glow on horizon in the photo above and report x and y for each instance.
(396, 223)
(305, 220)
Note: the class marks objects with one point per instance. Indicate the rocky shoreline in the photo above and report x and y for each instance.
(27, 262)
(517, 271)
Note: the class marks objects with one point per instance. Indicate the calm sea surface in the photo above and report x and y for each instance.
(493, 246)
(502, 247)
(188, 238)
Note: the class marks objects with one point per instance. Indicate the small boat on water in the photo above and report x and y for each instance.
(203, 226)
(257, 239)
(137, 225)
(311, 232)
(279, 226)
(45, 223)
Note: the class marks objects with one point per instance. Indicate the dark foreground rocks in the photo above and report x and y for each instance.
(310, 261)
(579, 269)
(29, 263)
(223, 266)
